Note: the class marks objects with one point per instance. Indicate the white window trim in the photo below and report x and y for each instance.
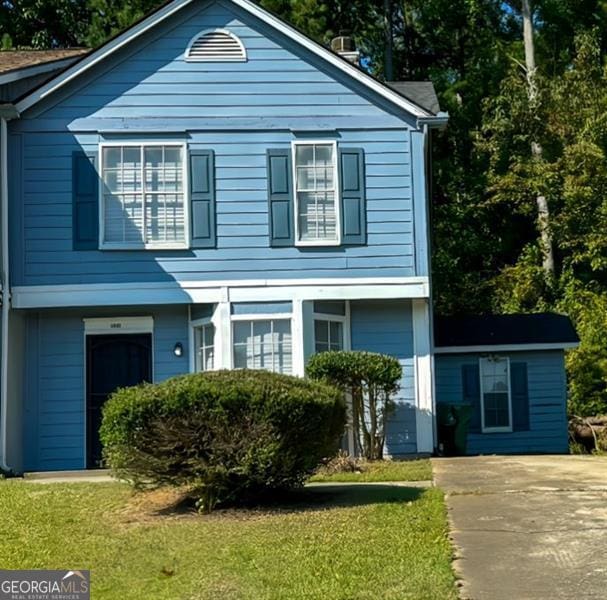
(482, 391)
(186, 199)
(316, 243)
(227, 32)
(263, 317)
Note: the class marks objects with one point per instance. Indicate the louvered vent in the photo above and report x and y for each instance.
(217, 45)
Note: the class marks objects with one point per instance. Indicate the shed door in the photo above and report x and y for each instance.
(112, 361)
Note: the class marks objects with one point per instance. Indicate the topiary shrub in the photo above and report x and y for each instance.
(226, 435)
(371, 380)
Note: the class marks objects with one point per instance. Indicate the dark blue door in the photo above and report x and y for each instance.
(112, 361)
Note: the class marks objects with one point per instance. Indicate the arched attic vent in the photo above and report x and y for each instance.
(215, 45)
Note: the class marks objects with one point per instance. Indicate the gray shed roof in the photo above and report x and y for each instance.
(420, 92)
(504, 330)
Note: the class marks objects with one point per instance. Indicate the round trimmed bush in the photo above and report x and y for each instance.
(227, 435)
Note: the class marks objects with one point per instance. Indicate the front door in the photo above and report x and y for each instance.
(112, 361)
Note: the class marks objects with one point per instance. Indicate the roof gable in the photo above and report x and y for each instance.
(98, 56)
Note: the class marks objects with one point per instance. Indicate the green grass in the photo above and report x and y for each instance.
(347, 542)
(387, 470)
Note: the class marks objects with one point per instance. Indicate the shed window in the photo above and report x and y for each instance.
(496, 403)
(316, 187)
(216, 45)
(143, 198)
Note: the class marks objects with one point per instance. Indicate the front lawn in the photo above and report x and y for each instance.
(347, 542)
(385, 470)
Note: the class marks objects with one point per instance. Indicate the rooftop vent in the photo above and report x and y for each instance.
(216, 45)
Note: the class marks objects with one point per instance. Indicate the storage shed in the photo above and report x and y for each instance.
(510, 370)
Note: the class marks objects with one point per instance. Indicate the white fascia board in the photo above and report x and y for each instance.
(118, 294)
(39, 69)
(505, 348)
(155, 18)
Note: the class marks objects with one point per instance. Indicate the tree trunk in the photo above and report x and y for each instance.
(543, 211)
(389, 41)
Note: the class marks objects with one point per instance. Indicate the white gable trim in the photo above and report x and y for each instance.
(136, 30)
(505, 348)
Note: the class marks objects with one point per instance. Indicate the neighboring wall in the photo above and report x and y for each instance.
(547, 403)
(54, 415)
(237, 109)
(386, 326)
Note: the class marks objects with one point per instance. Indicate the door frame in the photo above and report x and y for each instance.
(94, 326)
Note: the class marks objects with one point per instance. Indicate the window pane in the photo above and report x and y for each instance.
(321, 331)
(111, 158)
(131, 157)
(304, 155)
(336, 334)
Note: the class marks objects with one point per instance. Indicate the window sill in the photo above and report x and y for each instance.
(144, 247)
(318, 244)
(497, 430)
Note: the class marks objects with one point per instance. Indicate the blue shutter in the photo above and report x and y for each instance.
(352, 192)
(85, 201)
(202, 199)
(471, 391)
(280, 198)
(520, 396)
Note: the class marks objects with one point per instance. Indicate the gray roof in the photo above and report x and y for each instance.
(421, 93)
(495, 330)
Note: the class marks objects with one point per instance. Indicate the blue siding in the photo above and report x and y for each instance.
(386, 326)
(237, 109)
(547, 403)
(54, 375)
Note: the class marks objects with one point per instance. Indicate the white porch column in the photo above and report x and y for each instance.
(422, 345)
(223, 332)
(297, 339)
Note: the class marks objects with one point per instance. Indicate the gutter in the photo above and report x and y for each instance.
(438, 121)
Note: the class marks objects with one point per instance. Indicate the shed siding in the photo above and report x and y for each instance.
(239, 110)
(54, 418)
(547, 403)
(386, 326)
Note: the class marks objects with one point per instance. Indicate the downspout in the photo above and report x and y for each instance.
(5, 294)
(6, 112)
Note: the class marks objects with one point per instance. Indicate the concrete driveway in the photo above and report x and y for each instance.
(528, 527)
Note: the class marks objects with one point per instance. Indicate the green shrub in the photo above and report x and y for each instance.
(371, 380)
(227, 435)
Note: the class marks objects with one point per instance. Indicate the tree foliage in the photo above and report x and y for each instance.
(370, 381)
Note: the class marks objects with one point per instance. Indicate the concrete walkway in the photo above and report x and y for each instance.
(529, 527)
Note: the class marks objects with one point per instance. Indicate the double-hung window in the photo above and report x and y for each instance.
(496, 402)
(316, 196)
(143, 200)
(262, 344)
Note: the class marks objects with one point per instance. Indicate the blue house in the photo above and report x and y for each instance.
(210, 189)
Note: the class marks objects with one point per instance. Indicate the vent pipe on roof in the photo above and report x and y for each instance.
(344, 46)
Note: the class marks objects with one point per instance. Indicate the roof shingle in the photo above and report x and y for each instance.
(13, 60)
